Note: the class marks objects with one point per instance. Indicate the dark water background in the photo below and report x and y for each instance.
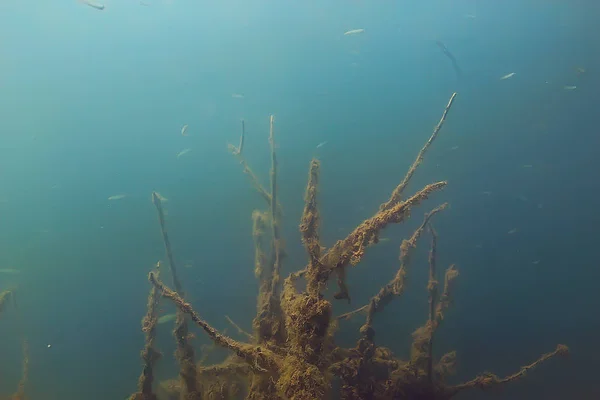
(92, 103)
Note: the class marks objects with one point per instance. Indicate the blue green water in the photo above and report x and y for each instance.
(92, 104)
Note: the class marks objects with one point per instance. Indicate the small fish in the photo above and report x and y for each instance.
(9, 271)
(166, 318)
(354, 32)
(570, 87)
(93, 4)
(184, 130)
(470, 16)
(487, 193)
(527, 166)
(117, 197)
(508, 76)
(237, 96)
(182, 152)
(579, 70)
(512, 231)
(453, 148)
(321, 144)
(536, 262)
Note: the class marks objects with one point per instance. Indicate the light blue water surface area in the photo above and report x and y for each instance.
(93, 104)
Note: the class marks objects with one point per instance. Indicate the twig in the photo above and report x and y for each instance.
(432, 286)
(352, 249)
(259, 358)
(396, 286)
(20, 393)
(397, 193)
(149, 354)
(237, 152)
(275, 221)
(185, 352)
(348, 315)
(487, 380)
(240, 330)
(163, 229)
(309, 228)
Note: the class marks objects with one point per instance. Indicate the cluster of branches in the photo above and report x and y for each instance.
(291, 353)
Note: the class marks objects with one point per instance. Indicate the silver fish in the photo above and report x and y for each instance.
(93, 4)
(354, 32)
(9, 271)
(166, 318)
(182, 152)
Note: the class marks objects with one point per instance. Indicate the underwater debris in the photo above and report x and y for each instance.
(292, 352)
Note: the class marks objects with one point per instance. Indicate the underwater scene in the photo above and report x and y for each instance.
(297, 200)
